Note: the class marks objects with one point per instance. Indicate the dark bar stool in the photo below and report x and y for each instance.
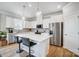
(19, 42)
(0, 55)
(29, 44)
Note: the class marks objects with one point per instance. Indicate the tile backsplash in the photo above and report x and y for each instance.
(42, 30)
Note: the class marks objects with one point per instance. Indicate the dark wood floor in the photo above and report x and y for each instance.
(54, 51)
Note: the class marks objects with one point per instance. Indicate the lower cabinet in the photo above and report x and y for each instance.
(3, 42)
(10, 38)
(39, 50)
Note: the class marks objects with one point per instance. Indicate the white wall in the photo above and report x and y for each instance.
(71, 27)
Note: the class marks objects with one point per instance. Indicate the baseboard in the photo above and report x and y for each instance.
(72, 51)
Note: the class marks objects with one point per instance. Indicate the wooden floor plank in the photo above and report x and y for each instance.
(54, 51)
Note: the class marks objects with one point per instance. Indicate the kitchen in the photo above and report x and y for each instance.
(32, 21)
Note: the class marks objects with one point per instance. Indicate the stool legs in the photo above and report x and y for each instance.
(19, 50)
(0, 55)
(30, 53)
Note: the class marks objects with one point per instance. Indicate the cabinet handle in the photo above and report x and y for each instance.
(65, 34)
(78, 33)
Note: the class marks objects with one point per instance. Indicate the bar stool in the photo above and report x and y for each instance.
(19, 42)
(29, 44)
(0, 55)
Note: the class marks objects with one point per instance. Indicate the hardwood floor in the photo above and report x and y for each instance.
(10, 51)
(55, 51)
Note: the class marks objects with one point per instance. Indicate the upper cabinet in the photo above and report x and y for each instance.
(2, 22)
(34, 23)
(9, 22)
(56, 18)
(27, 24)
(18, 24)
(46, 23)
(14, 23)
(31, 24)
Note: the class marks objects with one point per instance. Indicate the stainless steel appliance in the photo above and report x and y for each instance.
(57, 35)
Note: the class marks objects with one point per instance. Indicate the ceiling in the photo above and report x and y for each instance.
(17, 7)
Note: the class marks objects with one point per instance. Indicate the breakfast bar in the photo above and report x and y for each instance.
(42, 40)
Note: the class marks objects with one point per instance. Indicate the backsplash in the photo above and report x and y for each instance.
(46, 30)
(40, 30)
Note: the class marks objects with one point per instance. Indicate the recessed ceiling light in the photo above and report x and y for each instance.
(29, 5)
(23, 18)
(39, 13)
(59, 6)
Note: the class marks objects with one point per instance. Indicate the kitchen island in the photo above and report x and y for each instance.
(41, 48)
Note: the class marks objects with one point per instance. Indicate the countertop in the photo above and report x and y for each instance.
(33, 36)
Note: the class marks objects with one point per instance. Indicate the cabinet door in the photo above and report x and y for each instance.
(9, 22)
(34, 23)
(2, 23)
(70, 32)
(18, 24)
(46, 23)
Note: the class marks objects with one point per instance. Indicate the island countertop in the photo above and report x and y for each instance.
(41, 49)
(33, 36)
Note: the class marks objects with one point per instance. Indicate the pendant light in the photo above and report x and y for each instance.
(38, 10)
(39, 15)
(26, 4)
(23, 17)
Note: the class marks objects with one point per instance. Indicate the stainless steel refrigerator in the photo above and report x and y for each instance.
(57, 36)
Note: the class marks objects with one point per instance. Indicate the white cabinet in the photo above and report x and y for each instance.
(46, 23)
(9, 22)
(71, 27)
(56, 18)
(14, 23)
(71, 35)
(34, 23)
(30, 24)
(52, 19)
(2, 22)
(39, 19)
(18, 24)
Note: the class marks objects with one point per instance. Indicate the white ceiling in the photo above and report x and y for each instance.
(45, 7)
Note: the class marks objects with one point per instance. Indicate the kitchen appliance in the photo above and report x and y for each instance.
(10, 35)
(9, 30)
(40, 26)
(57, 33)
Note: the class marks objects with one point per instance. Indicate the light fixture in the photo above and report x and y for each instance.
(29, 5)
(39, 12)
(24, 7)
(23, 17)
(59, 6)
